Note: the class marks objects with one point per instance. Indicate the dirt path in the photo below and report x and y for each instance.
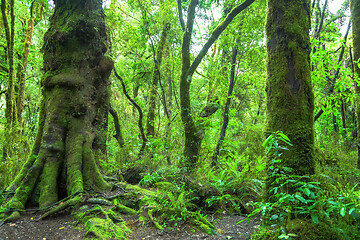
(60, 227)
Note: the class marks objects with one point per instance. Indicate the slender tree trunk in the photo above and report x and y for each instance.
(168, 76)
(73, 112)
(343, 111)
(22, 67)
(227, 105)
(290, 100)
(355, 18)
(10, 111)
(150, 124)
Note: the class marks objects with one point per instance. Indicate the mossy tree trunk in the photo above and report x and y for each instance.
(74, 109)
(290, 100)
(355, 19)
(7, 8)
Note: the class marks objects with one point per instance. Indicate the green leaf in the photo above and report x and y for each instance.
(268, 140)
(283, 136)
(307, 191)
(351, 210)
(303, 200)
(343, 211)
(315, 218)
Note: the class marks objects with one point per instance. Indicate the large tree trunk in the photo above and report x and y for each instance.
(355, 18)
(74, 110)
(290, 100)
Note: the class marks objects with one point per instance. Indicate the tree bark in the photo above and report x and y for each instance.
(10, 111)
(290, 99)
(10, 99)
(355, 19)
(74, 109)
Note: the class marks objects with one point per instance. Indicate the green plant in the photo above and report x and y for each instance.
(149, 179)
(297, 197)
(226, 202)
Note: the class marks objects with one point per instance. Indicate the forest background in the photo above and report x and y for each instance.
(145, 41)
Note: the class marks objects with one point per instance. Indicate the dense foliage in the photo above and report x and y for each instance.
(145, 41)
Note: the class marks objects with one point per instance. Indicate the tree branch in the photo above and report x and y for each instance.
(140, 123)
(118, 136)
(187, 35)
(216, 33)
(181, 17)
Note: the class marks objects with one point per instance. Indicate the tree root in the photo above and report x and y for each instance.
(152, 206)
(63, 205)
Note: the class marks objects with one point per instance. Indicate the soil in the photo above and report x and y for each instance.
(61, 227)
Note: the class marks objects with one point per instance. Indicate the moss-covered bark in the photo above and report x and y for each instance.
(73, 116)
(290, 103)
(355, 19)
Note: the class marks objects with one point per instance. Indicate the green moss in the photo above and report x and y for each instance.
(74, 143)
(301, 229)
(306, 229)
(92, 176)
(67, 78)
(124, 209)
(48, 184)
(105, 229)
(290, 103)
(103, 223)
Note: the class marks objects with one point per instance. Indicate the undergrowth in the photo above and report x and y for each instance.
(306, 207)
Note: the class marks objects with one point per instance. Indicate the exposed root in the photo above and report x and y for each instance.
(63, 205)
(14, 216)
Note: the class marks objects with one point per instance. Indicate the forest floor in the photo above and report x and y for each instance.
(60, 227)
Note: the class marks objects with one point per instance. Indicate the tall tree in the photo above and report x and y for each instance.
(355, 19)
(10, 111)
(290, 100)
(194, 135)
(150, 124)
(227, 104)
(73, 112)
